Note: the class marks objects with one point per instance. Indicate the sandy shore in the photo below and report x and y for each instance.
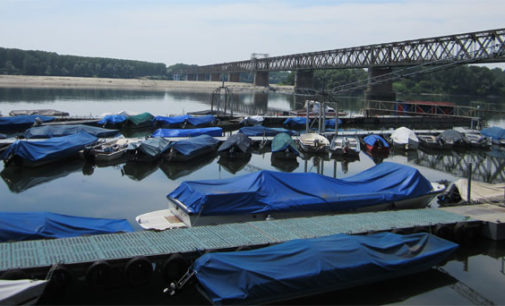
(132, 84)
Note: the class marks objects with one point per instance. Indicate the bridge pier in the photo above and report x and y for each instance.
(379, 88)
(191, 77)
(234, 77)
(202, 77)
(215, 77)
(304, 79)
(261, 78)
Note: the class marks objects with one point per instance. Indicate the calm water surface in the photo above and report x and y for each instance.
(474, 276)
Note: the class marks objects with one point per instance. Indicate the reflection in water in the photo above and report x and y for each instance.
(487, 166)
(19, 179)
(233, 165)
(138, 171)
(283, 164)
(176, 170)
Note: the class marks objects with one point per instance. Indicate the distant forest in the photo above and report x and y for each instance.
(15, 61)
(459, 80)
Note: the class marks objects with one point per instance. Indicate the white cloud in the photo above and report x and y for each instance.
(203, 33)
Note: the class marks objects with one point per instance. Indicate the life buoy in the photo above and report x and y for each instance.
(99, 274)
(138, 271)
(174, 268)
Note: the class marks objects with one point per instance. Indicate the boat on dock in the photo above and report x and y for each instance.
(313, 143)
(404, 139)
(17, 226)
(36, 153)
(191, 148)
(271, 194)
(21, 291)
(304, 267)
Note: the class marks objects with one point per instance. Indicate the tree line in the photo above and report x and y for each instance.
(16, 61)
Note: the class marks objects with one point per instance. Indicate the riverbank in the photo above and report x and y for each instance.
(22, 81)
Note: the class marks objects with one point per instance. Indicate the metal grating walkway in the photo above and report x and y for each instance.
(44, 253)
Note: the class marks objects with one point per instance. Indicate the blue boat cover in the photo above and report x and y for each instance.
(50, 149)
(170, 121)
(331, 122)
(20, 121)
(211, 131)
(112, 119)
(15, 226)
(372, 139)
(201, 120)
(260, 130)
(49, 131)
(188, 146)
(270, 191)
(496, 133)
(295, 121)
(310, 266)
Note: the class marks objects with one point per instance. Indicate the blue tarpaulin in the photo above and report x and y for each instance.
(331, 122)
(310, 266)
(49, 131)
(211, 131)
(201, 120)
(259, 130)
(191, 145)
(48, 150)
(17, 122)
(175, 121)
(16, 226)
(372, 139)
(496, 133)
(112, 120)
(295, 122)
(270, 191)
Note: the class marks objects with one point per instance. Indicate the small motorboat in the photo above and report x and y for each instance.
(21, 291)
(475, 139)
(106, 151)
(480, 192)
(113, 120)
(453, 139)
(237, 146)
(17, 226)
(497, 134)
(37, 153)
(345, 146)
(375, 145)
(313, 143)
(252, 120)
(201, 121)
(170, 122)
(284, 147)
(264, 193)
(304, 267)
(431, 142)
(148, 150)
(43, 112)
(404, 139)
(187, 149)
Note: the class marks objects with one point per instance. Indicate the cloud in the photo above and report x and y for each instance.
(204, 32)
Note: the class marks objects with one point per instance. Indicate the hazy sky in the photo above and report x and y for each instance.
(206, 32)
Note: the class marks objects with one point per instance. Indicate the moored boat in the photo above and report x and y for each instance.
(211, 131)
(346, 146)
(106, 151)
(40, 112)
(148, 150)
(431, 142)
(284, 147)
(281, 195)
(452, 139)
(21, 291)
(36, 153)
(497, 134)
(49, 131)
(375, 145)
(304, 267)
(259, 130)
(236, 146)
(480, 192)
(190, 148)
(170, 122)
(144, 120)
(313, 143)
(404, 139)
(18, 123)
(16, 226)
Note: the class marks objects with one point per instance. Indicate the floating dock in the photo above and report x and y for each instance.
(38, 256)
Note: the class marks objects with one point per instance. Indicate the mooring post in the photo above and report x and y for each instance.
(336, 118)
(319, 127)
(323, 126)
(469, 185)
(307, 116)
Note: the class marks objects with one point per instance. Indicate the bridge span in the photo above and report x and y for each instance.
(380, 60)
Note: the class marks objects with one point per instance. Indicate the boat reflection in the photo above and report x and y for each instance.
(175, 170)
(284, 164)
(233, 165)
(138, 171)
(19, 179)
(487, 166)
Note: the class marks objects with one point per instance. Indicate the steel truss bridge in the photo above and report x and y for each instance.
(482, 47)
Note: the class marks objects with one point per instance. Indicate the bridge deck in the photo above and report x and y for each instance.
(43, 253)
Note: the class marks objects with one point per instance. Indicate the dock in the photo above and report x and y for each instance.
(78, 254)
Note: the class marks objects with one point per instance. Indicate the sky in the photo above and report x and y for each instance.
(209, 32)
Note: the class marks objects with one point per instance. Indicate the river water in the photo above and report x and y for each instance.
(474, 276)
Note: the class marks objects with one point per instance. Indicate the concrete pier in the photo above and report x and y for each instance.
(234, 77)
(304, 79)
(379, 87)
(261, 78)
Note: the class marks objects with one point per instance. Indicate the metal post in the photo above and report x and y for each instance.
(336, 118)
(319, 127)
(334, 168)
(323, 128)
(469, 185)
(307, 116)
